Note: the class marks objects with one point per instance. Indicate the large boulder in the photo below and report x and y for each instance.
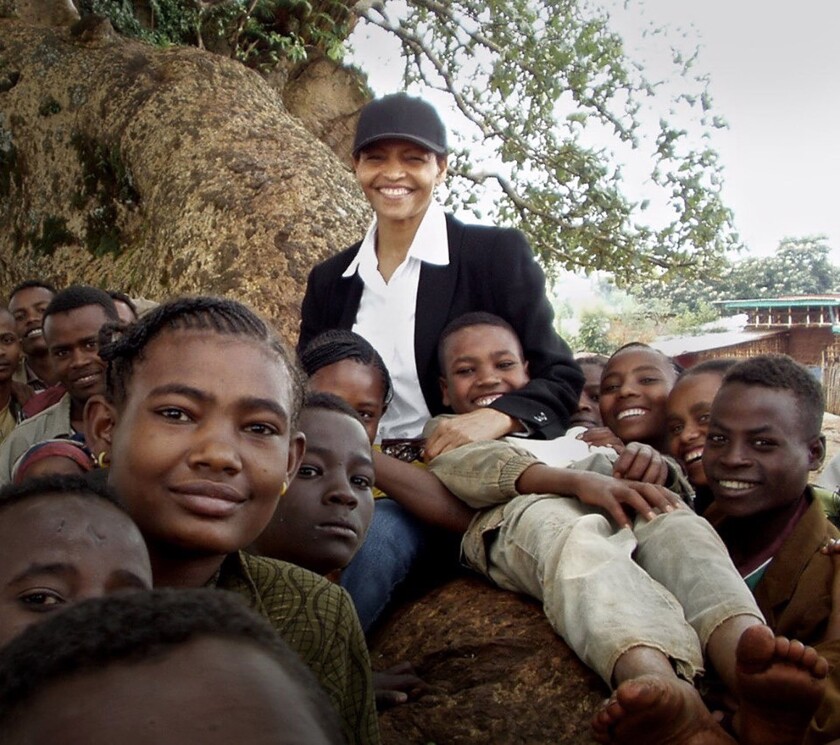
(160, 172)
(497, 673)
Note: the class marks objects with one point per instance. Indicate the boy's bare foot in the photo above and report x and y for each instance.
(780, 684)
(657, 710)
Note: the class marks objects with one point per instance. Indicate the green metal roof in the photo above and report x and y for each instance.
(793, 302)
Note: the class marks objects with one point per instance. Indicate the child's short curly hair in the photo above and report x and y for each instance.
(203, 313)
(781, 372)
(57, 486)
(130, 628)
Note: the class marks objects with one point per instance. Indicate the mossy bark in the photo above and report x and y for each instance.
(160, 172)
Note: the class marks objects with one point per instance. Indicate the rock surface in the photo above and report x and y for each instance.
(160, 172)
(497, 673)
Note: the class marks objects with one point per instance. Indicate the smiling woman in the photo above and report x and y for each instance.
(416, 270)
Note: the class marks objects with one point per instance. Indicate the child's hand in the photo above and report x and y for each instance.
(477, 426)
(641, 462)
(611, 495)
(602, 436)
(395, 685)
(832, 631)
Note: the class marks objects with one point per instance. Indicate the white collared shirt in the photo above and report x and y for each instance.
(386, 317)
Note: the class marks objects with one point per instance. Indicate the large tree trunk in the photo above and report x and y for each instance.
(496, 672)
(160, 172)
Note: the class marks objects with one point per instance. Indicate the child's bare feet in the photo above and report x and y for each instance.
(657, 710)
(780, 684)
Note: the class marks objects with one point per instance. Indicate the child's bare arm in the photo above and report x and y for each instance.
(639, 462)
(606, 492)
(832, 631)
(421, 493)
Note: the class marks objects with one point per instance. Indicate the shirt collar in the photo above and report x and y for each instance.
(430, 244)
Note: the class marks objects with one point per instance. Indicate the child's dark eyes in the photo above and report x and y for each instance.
(41, 601)
(307, 472)
(650, 380)
(713, 438)
(261, 428)
(763, 444)
(464, 370)
(703, 419)
(174, 413)
(8, 339)
(675, 429)
(363, 482)
(506, 364)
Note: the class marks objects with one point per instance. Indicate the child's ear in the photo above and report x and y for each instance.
(525, 368)
(816, 453)
(444, 391)
(297, 446)
(100, 416)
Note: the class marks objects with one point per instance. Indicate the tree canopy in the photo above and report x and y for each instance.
(533, 80)
(800, 266)
(549, 98)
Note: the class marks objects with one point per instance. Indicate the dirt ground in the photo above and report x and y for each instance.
(831, 430)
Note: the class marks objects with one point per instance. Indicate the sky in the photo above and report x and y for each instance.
(774, 72)
(775, 77)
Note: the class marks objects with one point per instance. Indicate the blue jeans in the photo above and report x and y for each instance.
(394, 543)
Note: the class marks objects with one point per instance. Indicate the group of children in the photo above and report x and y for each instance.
(201, 425)
(201, 422)
(230, 477)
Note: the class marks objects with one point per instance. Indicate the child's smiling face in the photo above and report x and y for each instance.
(758, 455)
(634, 388)
(73, 340)
(481, 363)
(57, 550)
(201, 446)
(688, 421)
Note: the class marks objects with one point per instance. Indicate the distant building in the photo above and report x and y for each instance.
(806, 327)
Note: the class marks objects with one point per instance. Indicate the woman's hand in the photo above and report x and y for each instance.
(462, 429)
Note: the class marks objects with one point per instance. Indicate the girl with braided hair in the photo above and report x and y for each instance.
(199, 428)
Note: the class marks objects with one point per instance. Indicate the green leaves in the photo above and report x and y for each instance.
(259, 33)
(800, 266)
(550, 101)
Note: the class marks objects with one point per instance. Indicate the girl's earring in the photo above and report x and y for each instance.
(103, 459)
(283, 489)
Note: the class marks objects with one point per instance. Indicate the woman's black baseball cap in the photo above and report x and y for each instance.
(401, 117)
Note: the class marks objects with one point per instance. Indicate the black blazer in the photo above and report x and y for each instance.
(490, 269)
